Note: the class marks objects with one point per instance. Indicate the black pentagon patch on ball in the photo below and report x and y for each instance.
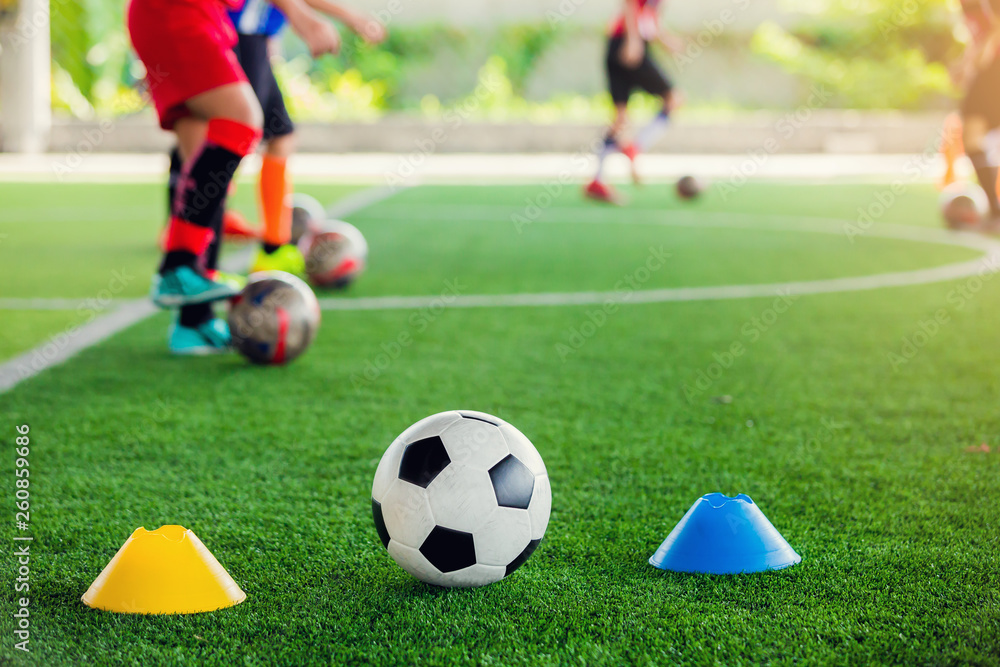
(423, 460)
(513, 483)
(523, 556)
(449, 550)
(383, 532)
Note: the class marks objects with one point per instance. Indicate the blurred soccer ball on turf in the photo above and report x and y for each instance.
(336, 255)
(963, 205)
(461, 499)
(274, 319)
(307, 215)
(689, 187)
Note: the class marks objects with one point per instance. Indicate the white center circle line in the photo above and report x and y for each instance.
(987, 264)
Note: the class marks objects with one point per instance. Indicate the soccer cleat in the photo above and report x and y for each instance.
(287, 258)
(602, 192)
(236, 227)
(632, 152)
(184, 286)
(234, 280)
(212, 337)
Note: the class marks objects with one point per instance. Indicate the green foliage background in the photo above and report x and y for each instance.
(875, 54)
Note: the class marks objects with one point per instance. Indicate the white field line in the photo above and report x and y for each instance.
(42, 303)
(131, 312)
(987, 264)
(66, 344)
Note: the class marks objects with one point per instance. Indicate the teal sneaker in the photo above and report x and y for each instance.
(212, 337)
(184, 286)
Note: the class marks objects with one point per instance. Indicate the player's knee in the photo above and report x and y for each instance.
(245, 109)
(282, 146)
(252, 115)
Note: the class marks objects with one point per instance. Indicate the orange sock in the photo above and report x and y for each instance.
(274, 187)
(951, 147)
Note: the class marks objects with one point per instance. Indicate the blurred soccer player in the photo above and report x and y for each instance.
(979, 74)
(202, 95)
(630, 67)
(257, 23)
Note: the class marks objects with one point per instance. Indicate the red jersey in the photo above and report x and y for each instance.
(648, 21)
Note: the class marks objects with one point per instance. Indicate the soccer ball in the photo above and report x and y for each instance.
(963, 205)
(336, 255)
(461, 499)
(307, 215)
(689, 187)
(274, 319)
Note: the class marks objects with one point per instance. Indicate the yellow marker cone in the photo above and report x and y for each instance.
(165, 571)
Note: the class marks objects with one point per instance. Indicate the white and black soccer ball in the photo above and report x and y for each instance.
(963, 205)
(461, 499)
(308, 215)
(335, 255)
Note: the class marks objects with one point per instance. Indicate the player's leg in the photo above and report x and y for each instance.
(620, 87)
(653, 130)
(650, 78)
(598, 188)
(974, 131)
(980, 114)
(173, 178)
(192, 72)
(196, 330)
(951, 147)
(277, 252)
(213, 149)
(274, 184)
(232, 118)
(190, 133)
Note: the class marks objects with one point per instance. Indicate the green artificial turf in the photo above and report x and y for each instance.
(82, 240)
(86, 241)
(23, 330)
(855, 449)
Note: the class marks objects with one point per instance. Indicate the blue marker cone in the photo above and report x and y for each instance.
(723, 535)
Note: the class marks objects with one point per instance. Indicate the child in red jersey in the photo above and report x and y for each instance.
(979, 74)
(201, 94)
(630, 67)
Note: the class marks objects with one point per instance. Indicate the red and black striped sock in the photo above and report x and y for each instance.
(197, 314)
(176, 164)
(202, 190)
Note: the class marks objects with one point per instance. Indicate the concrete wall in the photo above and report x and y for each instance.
(687, 15)
(796, 131)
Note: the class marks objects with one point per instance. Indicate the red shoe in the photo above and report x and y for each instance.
(601, 192)
(632, 152)
(235, 226)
